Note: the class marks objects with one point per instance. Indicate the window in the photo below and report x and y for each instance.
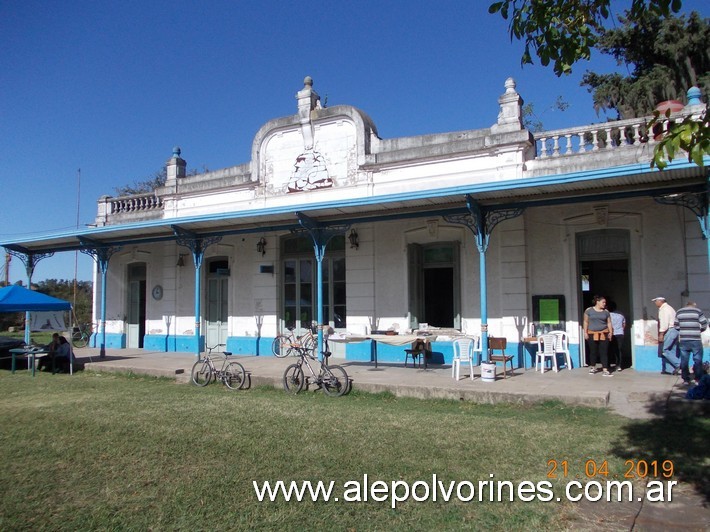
(299, 283)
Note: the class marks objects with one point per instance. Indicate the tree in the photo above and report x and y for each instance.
(151, 183)
(533, 120)
(565, 31)
(666, 56)
(64, 289)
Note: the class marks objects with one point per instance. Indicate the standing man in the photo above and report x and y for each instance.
(669, 351)
(618, 326)
(691, 322)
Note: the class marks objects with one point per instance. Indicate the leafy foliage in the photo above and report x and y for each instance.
(667, 57)
(691, 136)
(149, 184)
(64, 289)
(533, 120)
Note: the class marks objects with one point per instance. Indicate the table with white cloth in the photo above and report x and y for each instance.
(390, 339)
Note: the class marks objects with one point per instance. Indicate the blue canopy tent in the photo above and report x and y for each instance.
(17, 298)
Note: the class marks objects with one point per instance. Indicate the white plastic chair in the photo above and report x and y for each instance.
(562, 346)
(463, 353)
(546, 349)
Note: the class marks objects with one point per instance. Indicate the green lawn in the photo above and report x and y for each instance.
(101, 451)
(39, 338)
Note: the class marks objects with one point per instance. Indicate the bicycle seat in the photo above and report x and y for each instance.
(227, 353)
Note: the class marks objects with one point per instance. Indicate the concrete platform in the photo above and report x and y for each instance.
(636, 395)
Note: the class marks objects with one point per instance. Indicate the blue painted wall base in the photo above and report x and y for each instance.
(646, 357)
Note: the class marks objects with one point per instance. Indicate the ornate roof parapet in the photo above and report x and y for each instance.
(176, 165)
(695, 104)
(510, 117)
(308, 101)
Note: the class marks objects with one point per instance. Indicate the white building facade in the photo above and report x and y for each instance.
(492, 231)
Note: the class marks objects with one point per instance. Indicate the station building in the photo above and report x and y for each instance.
(498, 232)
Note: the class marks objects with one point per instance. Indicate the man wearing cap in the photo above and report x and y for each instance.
(667, 336)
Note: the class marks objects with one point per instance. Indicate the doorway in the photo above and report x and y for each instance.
(135, 317)
(433, 284)
(439, 297)
(217, 312)
(604, 270)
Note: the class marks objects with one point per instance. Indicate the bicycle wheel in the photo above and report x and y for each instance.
(201, 373)
(280, 345)
(79, 339)
(335, 381)
(234, 376)
(293, 379)
(309, 342)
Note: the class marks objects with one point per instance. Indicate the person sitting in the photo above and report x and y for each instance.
(58, 356)
(63, 355)
(51, 348)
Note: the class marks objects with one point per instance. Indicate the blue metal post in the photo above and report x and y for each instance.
(29, 259)
(197, 256)
(321, 235)
(104, 271)
(101, 253)
(197, 244)
(320, 251)
(484, 294)
(481, 222)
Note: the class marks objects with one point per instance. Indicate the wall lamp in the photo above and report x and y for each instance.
(181, 261)
(354, 239)
(261, 246)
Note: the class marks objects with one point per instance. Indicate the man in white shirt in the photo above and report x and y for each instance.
(667, 336)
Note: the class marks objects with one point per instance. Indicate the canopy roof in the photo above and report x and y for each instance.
(17, 298)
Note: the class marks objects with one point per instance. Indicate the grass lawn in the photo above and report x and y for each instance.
(39, 338)
(106, 451)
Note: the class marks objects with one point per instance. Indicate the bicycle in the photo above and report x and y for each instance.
(333, 380)
(287, 344)
(80, 335)
(231, 374)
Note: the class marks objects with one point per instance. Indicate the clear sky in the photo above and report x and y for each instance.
(108, 88)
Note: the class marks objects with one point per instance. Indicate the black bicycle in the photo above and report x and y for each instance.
(333, 380)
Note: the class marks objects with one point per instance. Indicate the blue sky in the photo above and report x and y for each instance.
(110, 87)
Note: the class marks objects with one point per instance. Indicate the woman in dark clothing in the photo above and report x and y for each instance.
(598, 331)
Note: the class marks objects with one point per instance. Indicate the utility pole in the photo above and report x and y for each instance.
(76, 252)
(8, 258)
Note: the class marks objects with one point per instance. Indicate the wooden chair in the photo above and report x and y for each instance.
(417, 352)
(499, 344)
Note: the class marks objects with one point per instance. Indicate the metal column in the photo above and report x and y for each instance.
(481, 222)
(197, 245)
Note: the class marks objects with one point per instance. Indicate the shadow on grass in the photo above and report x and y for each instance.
(680, 432)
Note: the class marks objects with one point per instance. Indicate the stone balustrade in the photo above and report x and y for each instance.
(139, 206)
(602, 136)
(137, 203)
